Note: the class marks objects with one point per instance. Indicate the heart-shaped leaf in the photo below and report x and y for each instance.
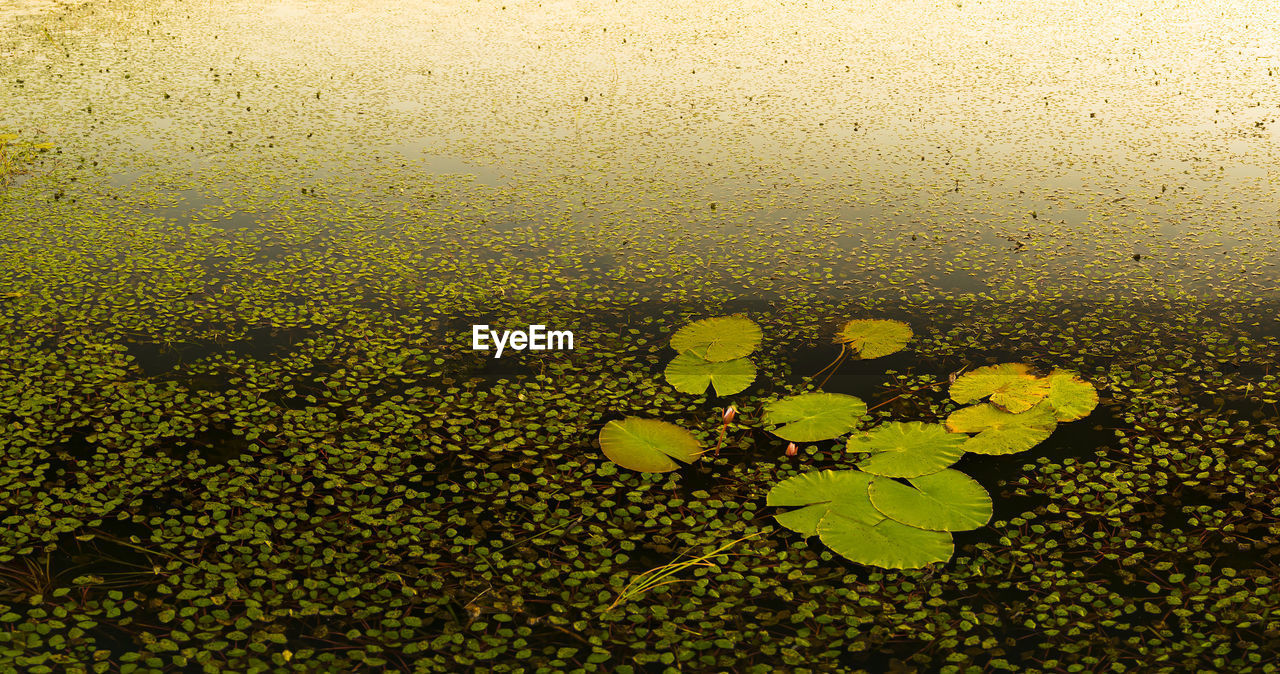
(648, 445)
(947, 500)
(907, 449)
(1070, 396)
(874, 337)
(1000, 432)
(688, 373)
(819, 491)
(885, 543)
(809, 417)
(718, 339)
(1011, 386)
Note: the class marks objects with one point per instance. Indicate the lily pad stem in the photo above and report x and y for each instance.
(835, 364)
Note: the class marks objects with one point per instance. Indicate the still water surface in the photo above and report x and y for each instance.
(1053, 137)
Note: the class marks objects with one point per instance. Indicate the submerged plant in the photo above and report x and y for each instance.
(658, 576)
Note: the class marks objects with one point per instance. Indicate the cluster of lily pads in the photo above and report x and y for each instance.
(897, 507)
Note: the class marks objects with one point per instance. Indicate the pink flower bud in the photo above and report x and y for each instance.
(729, 413)
(792, 450)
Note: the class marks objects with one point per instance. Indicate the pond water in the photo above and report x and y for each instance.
(247, 428)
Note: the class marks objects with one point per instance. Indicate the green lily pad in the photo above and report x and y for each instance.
(718, 339)
(1000, 432)
(947, 500)
(1070, 396)
(648, 445)
(874, 337)
(817, 492)
(885, 543)
(909, 449)
(1011, 386)
(688, 373)
(809, 417)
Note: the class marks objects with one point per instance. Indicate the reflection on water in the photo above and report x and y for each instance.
(1042, 133)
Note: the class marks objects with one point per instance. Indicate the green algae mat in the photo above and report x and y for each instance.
(882, 358)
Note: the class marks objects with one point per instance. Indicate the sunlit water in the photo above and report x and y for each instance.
(1049, 135)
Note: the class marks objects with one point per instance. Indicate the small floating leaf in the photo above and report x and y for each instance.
(873, 337)
(809, 417)
(1000, 432)
(648, 445)
(885, 543)
(907, 449)
(947, 500)
(1011, 386)
(718, 339)
(818, 492)
(688, 373)
(1070, 396)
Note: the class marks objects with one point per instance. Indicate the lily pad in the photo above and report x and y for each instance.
(909, 449)
(1001, 432)
(648, 445)
(874, 337)
(1010, 386)
(947, 500)
(809, 417)
(718, 339)
(884, 543)
(1070, 396)
(818, 492)
(688, 373)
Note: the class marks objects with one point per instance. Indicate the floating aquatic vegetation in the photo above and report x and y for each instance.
(648, 445)
(907, 449)
(688, 373)
(809, 417)
(835, 506)
(16, 155)
(947, 500)
(1070, 396)
(1010, 386)
(360, 528)
(814, 494)
(874, 337)
(712, 353)
(718, 339)
(1001, 432)
(869, 338)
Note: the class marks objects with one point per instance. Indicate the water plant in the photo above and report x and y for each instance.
(648, 445)
(16, 155)
(868, 514)
(662, 575)
(810, 417)
(907, 449)
(259, 385)
(711, 352)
